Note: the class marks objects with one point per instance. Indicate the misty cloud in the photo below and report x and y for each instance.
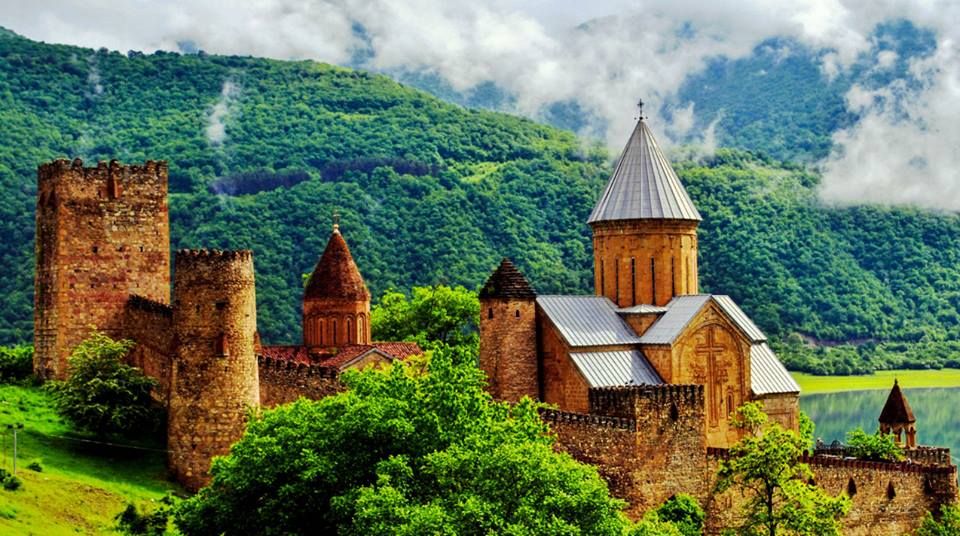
(216, 130)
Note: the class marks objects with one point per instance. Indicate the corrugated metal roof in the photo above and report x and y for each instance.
(643, 185)
(739, 317)
(767, 373)
(587, 320)
(609, 369)
(680, 311)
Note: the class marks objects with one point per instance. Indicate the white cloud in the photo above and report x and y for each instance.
(216, 130)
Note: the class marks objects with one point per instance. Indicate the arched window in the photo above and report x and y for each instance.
(350, 333)
(334, 332)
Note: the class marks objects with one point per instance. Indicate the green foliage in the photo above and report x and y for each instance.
(431, 315)
(948, 523)
(103, 395)
(685, 513)
(807, 430)
(16, 362)
(779, 498)
(876, 447)
(133, 522)
(417, 448)
(652, 525)
(11, 483)
(35, 466)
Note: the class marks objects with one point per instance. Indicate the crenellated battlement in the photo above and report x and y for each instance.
(585, 419)
(156, 169)
(151, 306)
(816, 460)
(301, 369)
(214, 254)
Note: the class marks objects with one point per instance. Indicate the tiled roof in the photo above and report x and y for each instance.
(767, 373)
(609, 369)
(336, 275)
(643, 185)
(585, 321)
(295, 354)
(507, 282)
(897, 410)
(344, 355)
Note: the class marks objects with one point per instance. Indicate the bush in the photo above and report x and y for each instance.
(16, 362)
(877, 447)
(948, 523)
(11, 483)
(103, 395)
(35, 466)
(131, 521)
(685, 513)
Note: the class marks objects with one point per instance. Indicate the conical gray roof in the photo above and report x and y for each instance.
(644, 185)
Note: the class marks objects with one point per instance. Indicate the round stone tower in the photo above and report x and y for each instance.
(508, 335)
(336, 302)
(644, 229)
(214, 378)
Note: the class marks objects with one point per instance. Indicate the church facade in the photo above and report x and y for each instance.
(646, 324)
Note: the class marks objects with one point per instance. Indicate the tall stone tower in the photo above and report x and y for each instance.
(897, 418)
(644, 229)
(508, 335)
(336, 302)
(214, 378)
(103, 234)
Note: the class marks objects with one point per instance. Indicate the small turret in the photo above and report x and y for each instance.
(897, 418)
(508, 335)
(336, 302)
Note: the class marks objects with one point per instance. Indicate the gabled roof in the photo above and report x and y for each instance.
(643, 185)
(507, 282)
(345, 354)
(767, 374)
(897, 410)
(336, 275)
(615, 368)
(585, 321)
(682, 309)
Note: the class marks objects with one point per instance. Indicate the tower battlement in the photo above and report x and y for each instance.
(632, 401)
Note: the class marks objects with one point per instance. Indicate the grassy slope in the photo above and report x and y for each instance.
(82, 485)
(883, 379)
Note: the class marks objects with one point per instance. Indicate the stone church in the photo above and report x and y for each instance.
(646, 324)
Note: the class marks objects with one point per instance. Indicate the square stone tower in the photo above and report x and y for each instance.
(103, 233)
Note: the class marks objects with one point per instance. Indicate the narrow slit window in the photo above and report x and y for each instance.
(633, 281)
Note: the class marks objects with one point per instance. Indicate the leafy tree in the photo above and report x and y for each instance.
(652, 525)
(779, 498)
(416, 448)
(948, 523)
(16, 362)
(685, 513)
(877, 446)
(807, 430)
(102, 394)
(431, 315)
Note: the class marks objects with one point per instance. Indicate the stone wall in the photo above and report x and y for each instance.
(644, 261)
(214, 379)
(508, 347)
(102, 234)
(285, 381)
(150, 325)
(561, 383)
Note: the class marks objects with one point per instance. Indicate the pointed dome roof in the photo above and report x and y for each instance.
(897, 409)
(643, 185)
(507, 282)
(336, 275)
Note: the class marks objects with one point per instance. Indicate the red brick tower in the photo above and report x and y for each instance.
(508, 335)
(336, 302)
(644, 229)
(103, 234)
(214, 379)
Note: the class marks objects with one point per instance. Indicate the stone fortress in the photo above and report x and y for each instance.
(645, 375)
(103, 260)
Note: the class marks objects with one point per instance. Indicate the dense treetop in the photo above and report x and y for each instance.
(432, 193)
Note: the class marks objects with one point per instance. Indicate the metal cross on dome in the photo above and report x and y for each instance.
(640, 108)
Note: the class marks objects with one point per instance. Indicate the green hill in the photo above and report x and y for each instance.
(434, 193)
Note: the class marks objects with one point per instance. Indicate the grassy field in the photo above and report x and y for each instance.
(83, 485)
(910, 379)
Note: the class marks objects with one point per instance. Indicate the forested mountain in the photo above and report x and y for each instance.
(262, 152)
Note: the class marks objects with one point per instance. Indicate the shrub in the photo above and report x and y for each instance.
(16, 362)
(11, 483)
(103, 395)
(948, 523)
(877, 447)
(35, 465)
(684, 512)
(131, 521)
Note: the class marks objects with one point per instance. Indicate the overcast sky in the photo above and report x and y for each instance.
(538, 51)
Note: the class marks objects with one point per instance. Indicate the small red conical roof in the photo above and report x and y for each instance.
(897, 409)
(507, 282)
(336, 275)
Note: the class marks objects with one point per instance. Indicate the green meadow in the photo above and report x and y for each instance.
(883, 379)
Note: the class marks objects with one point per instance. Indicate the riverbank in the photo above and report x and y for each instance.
(909, 379)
